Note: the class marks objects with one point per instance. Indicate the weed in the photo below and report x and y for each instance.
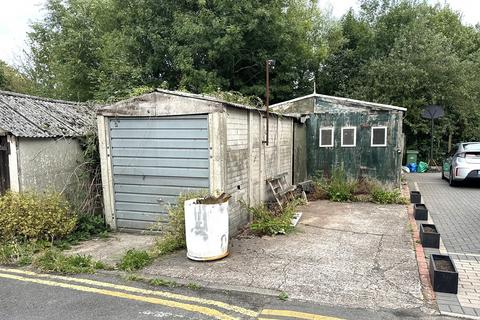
(163, 283)
(410, 227)
(20, 253)
(174, 232)
(88, 226)
(169, 243)
(53, 260)
(340, 188)
(388, 197)
(193, 286)
(266, 222)
(134, 260)
(100, 265)
(133, 277)
(283, 296)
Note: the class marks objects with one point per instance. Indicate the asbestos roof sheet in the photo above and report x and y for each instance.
(153, 99)
(36, 117)
(326, 102)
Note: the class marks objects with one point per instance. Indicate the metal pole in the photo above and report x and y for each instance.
(431, 146)
(267, 100)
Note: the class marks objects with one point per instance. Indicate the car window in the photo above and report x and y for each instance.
(471, 146)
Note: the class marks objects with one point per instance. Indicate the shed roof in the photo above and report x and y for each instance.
(335, 102)
(37, 117)
(162, 102)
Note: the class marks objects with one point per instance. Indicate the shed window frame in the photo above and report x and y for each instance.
(332, 129)
(354, 137)
(384, 138)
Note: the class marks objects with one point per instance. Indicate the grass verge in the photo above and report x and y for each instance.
(52, 260)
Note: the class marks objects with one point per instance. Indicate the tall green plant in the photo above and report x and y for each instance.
(173, 237)
(339, 187)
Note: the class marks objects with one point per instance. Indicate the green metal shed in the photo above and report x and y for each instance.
(363, 138)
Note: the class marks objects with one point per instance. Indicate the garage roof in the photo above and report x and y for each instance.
(165, 102)
(36, 117)
(326, 102)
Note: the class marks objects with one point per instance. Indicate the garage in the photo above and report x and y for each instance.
(154, 160)
(159, 145)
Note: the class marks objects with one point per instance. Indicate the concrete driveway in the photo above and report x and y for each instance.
(456, 213)
(357, 255)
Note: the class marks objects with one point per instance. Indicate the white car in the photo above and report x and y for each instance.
(462, 163)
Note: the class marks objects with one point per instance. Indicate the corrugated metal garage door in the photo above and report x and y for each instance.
(154, 160)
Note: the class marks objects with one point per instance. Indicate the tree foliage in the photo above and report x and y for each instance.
(402, 52)
(90, 49)
(411, 54)
(12, 80)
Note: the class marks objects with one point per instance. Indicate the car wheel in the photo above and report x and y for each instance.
(451, 182)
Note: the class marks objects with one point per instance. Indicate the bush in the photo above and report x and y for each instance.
(135, 260)
(266, 222)
(174, 232)
(88, 226)
(388, 197)
(53, 260)
(30, 216)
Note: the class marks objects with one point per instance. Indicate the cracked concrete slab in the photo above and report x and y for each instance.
(357, 255)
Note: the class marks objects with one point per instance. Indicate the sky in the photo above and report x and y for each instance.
(17, 15)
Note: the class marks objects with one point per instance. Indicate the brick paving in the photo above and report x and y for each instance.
(456, 214)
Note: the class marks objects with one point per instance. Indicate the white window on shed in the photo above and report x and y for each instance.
(349, 137)
(326, 137)
(379, 137)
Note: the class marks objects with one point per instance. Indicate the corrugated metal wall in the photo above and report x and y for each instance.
(380, 163)
(154, 160)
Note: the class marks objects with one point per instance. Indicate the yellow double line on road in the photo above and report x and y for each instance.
(34, 277)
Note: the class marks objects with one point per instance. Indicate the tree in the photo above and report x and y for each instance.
(88, 49)
(12, 80)
(411, 54)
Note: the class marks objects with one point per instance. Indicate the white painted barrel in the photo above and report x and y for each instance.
(206, 230)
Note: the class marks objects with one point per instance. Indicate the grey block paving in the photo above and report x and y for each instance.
(456, 214)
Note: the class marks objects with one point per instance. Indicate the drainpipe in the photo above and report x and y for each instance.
(268, 63)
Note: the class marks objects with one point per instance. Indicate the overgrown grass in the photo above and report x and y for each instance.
(52, 260)
(20, 253)
(388, 196)
(339, 188)
(134, 260)
(267, 222)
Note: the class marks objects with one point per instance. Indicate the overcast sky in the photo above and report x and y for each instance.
(16, 15)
